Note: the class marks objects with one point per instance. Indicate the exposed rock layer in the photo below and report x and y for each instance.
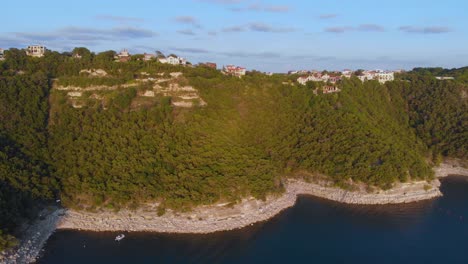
(214, 218)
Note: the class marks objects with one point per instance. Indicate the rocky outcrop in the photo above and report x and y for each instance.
(446, 169)
(182, 96)
(94, 72)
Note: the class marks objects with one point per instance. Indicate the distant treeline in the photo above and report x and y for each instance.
(253, 133)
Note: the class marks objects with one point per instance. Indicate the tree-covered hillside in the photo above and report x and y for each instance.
(438, 111)
(133, 132)
(460, 74)
(25, 177)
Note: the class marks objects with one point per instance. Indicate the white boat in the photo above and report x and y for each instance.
(119, 237)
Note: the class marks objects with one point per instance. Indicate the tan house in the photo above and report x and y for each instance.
(148, 56)
(123, 56)
(209, 65)
(330, 89)
(36, 51)
(234, 70)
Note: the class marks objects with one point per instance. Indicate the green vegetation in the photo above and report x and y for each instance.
(7, 241)
(117, 148)
(24, 173)
(438, 111)
(460, 74)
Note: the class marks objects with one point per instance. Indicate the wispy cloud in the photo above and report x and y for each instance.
(188, 20)
(363, 28)
(81, 33)
(261, 27)
(114, 33)
(258, 27)
(338, 29)
(186, 32)
(278, 8)
(234, 29)
(119, 19)
(6, 42)
(265, 8)
(328, 16)
(243, 54)
(223, 2)
(371, 27)
(191, 50)
(78, 36)
(425, 30)
(311, 57)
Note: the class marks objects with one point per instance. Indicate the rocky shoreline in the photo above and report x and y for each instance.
(218, 217)
(222, 217)
(446, 169)
(34, 237)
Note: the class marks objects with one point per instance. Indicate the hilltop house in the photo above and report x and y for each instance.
(334, 79)
(367, 76)
(234, 70)
(330, 89)
(148, 57)
(347, 73)
(381, 76)
(2, 54)
(123, 56)
(174, 60)
(36, 50)
(384, 77)
(327, 89)
(318, 77)
(299, 72)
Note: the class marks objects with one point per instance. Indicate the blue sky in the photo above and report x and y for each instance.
(275, 35)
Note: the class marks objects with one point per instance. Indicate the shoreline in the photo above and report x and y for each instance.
(220, 217)
(446, 169)
(214, 218)
(34, 237)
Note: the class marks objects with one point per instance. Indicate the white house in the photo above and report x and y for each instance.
(174, 60)
(384, 77)
(318, 77)
(36, 50)
(381, 76)
(2, 54)
(347, 73)
(303, 80)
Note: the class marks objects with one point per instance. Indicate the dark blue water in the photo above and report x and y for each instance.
(313, 231)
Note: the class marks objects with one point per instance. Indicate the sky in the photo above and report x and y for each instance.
(276, 35)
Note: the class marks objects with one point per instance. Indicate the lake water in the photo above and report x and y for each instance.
(313, 231)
